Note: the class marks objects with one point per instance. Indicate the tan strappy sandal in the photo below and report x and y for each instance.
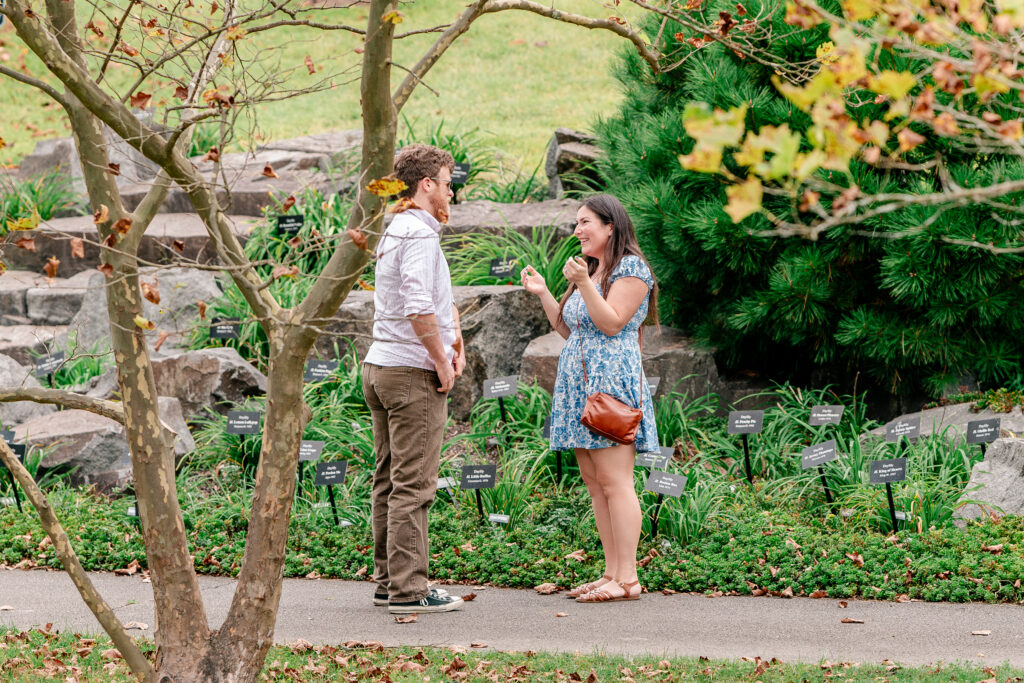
(601, 595)
(587, 587)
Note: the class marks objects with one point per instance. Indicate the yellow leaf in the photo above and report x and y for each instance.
(877, 133)
(860, 10)
(989, 84)
(824, 82)
(703, 159)
(744, 199)
(909, 139)
(894, 84)
(808, 163)
(143, 323)
(714, 127)
(3, 143)
(25, 222)
(826, 52)
(234, 33)
(394, 16)
(386, 187)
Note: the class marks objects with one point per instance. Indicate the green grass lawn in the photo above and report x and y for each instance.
(38, 655)
(515, 76)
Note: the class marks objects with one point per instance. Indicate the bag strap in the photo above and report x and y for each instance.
(579, 335)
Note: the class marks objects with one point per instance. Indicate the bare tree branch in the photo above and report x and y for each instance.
(62, 546)
(50, 91)
(67, 399)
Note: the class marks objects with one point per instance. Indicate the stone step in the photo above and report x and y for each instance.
(19, 341)
(27, 298)
(53, 238)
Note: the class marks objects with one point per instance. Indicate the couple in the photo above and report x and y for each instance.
(418, 353)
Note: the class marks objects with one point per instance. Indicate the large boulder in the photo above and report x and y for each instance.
(494, 217)
(24, 342)
(216, 378)
(497, 324)
(951, 421)
(93, 447)
(996, 482)
(54, 154)
(169, 237)
(14, 284)
(56, 301)
(571, 162)
(14, 375)
(682, 364)
(181, 289)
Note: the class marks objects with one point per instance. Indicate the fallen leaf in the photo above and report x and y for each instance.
(136, 625)
(151, 292)
(269, 172)
(201, 305)
(848, 620)
(856, 558)
(981, 633)
(790, 543)
(561, 614)
(481, 645)
(77, 247)
(994, 549)
(411, 666)
(546, 588)
(818, 594)
(788, 593)
(469, 598)
(301, 645)
(408, 619)
(362, 571)
(288, 204)
(101, 215)
(6, 608)
(111, 654)
(178, 245)
(52, 264)
(578, 555)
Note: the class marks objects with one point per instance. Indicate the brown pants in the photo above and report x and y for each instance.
(409, 415)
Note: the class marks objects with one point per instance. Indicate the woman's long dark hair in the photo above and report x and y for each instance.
(621, 243)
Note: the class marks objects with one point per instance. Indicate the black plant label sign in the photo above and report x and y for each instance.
(331, 473)
(290, 224)
(502, 267)
(819, 454)
(983, 431)
(501, 386)
(886, 471)
(909, 427)
(655, 460)
(310, 450)
(223, 329)
(319, 370)
(546, 431)
(498, 518)
(665, 483)
(746, 421)
(479, 476)
(460, 174)
(243, 422)
(47, 365)
(652, 384)
(826, 415)
(446, 483)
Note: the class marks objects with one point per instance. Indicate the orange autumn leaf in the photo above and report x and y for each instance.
(114, 169)
(310, 66)
(363, 284)
(123, 225)
(26, 243)
(151, 292)
(386, 187)
(106, 269)
(201, 305)
(144, 323)
(358, 238)
(269, 172)
(181, 92)
(52, 264)
(139, 99)
(288, 204)
(77, 247)
(161, 338)
(909, 139)
(213, 155)
(284, 271)
(179, 246)
(128, 49)
(101, 215)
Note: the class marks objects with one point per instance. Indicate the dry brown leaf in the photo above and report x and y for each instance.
(178, 245)
(358, 238)
(469, 598)
(114, 169)
(134, 565)
(52, 264)
(123, 225)
(77, 247)
(310, 66)
(139, 100)
(160, 339)
(546, 588)
(106, 269)
(213, 155)
(289, 202)
(201, 305)
(994, 549)
(407, 619)
(411, 666)
(848, 620)
(788, 593)
(818, 594)
(479, 645)
(301, 645)
(578, 555)
(181, 92)
(561, 614)
(790, 543)
(284, 271)
(6, 608)
(151, 292)
(856, 558)
(843, 604)
(101, 215)
(26, 243)
(111, 654)
(136, 625)
(362, 571)
(269, 172)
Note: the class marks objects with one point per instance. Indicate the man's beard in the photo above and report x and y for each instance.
(439, 210)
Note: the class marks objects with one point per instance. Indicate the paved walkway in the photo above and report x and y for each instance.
(329, 611)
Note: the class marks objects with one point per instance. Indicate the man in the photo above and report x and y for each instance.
(412, 364)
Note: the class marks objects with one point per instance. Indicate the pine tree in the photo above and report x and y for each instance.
(890, 297)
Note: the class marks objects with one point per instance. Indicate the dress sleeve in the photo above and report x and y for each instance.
(633, 266)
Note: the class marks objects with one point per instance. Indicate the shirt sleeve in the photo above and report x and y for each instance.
(633, 266)
(420, 251)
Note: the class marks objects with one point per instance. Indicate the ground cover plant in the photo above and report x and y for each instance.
(42, 654)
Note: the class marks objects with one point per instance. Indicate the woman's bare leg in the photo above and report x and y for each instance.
(614, 469)
(601, 514)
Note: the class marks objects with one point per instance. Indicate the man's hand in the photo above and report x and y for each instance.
(445, 373)
(459, 361)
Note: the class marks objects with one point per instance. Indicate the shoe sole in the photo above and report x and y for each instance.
(380, 602)
(418, 609)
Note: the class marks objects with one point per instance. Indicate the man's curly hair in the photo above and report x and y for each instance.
(416, 162)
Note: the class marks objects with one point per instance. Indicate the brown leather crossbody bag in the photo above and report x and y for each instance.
(606, 415)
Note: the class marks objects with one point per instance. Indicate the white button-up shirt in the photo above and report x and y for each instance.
(412, 278)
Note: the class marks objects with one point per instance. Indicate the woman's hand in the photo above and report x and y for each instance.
(533, 282)
(575, 270)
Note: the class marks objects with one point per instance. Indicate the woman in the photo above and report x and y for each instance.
(610, 295)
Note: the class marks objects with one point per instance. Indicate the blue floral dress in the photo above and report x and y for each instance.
(613, 366)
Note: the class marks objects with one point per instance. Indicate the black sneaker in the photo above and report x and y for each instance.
(435, 601)
(380, 598)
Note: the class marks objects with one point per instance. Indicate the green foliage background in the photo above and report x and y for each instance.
(888, 296)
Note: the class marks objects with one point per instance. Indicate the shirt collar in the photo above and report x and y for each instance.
(424, 216)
